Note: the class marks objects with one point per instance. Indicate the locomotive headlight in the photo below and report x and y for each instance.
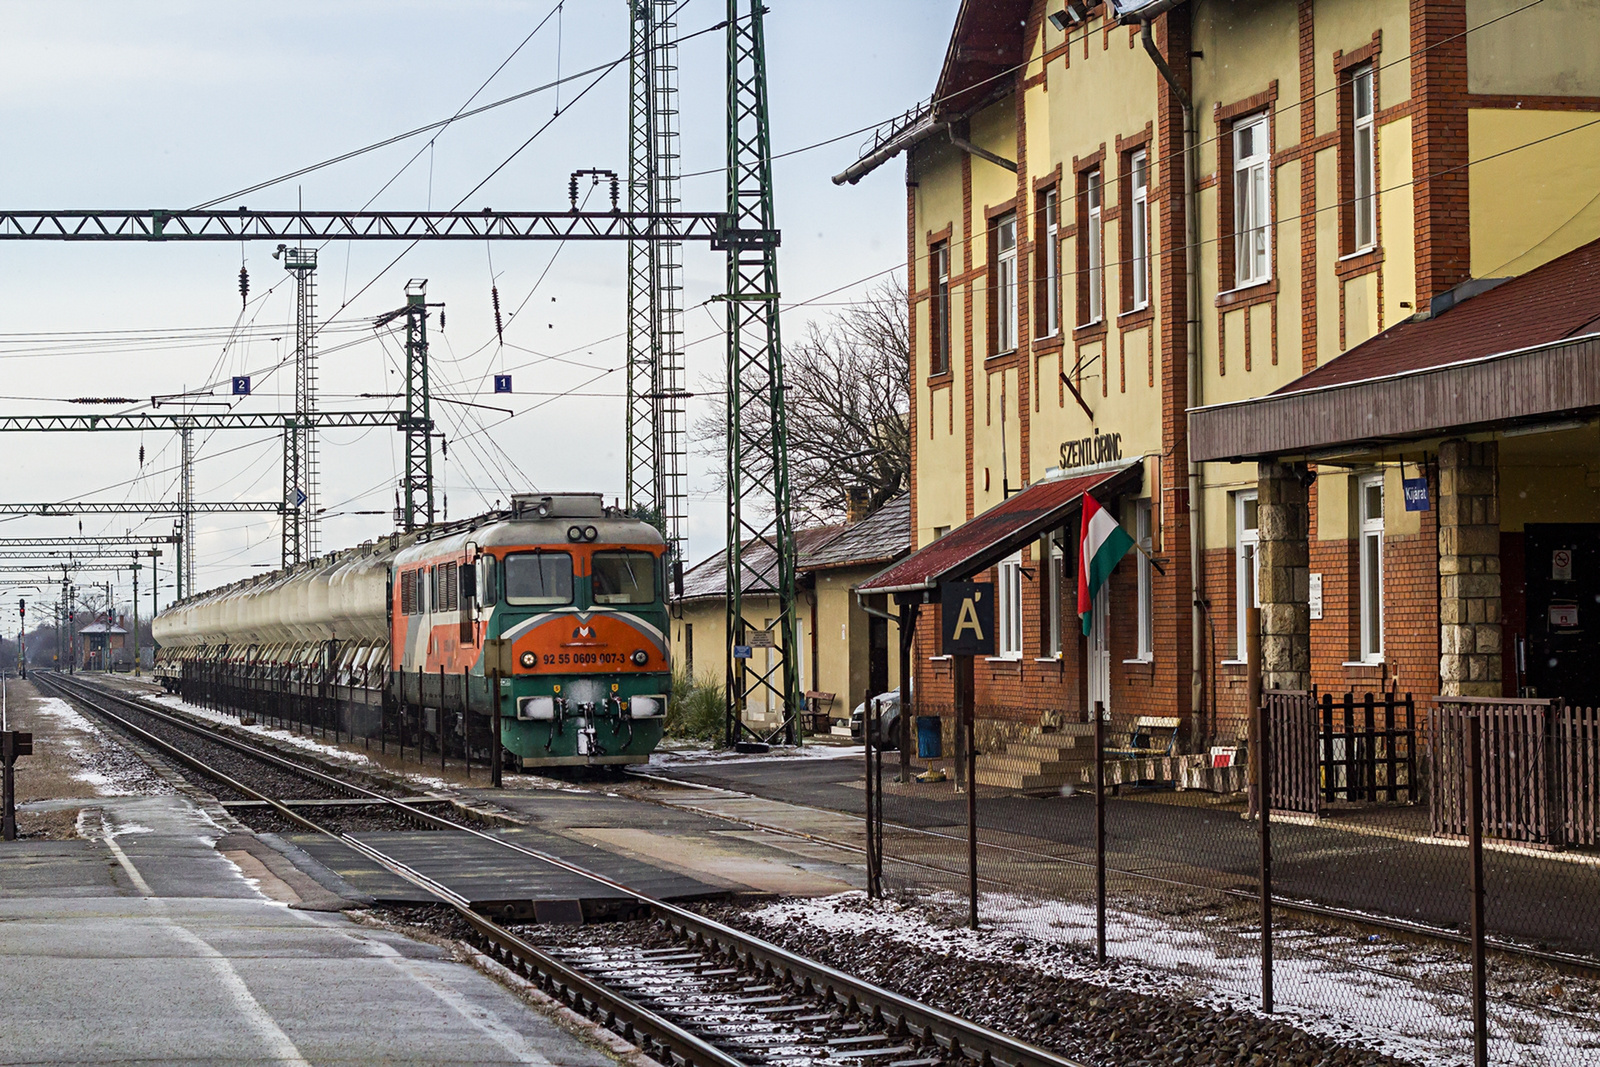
(590, 533)
(528, 659)
(641, 657)
(574, 533)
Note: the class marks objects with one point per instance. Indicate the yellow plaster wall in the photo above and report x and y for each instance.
(1536, 202)
(1397, 221)
(1551, 477)
(843, 644)
(1548, 49)
(941, 429)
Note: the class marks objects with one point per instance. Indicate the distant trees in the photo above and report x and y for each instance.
(848, 404)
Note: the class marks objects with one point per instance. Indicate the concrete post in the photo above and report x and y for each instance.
(1469, 569)
(1284, 562)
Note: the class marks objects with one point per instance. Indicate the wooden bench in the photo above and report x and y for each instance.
(818, 705)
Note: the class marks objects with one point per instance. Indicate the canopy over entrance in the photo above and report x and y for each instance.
(989, 538)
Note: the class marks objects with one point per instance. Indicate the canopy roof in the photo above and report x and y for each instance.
(989, 538)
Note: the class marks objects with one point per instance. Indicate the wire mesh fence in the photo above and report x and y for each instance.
(1367, 935)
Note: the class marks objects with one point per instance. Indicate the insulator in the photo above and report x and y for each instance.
(244, 286)
(141, 455)
(441, 321)
(499, 330)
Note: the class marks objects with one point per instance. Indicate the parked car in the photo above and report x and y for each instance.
(887, 713)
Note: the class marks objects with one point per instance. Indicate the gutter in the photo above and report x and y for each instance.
(1192, 273)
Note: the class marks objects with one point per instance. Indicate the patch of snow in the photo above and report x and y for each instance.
(1328, 987)
(701, 754)
(106, 766)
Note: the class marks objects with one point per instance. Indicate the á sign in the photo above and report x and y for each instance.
(967, 617)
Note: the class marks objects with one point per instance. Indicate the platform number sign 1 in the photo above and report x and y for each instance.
(967, 618)
(241, 385)
(502, 383)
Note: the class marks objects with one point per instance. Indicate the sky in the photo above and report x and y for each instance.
(173, 104)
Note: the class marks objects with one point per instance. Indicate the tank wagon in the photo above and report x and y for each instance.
(559, 602)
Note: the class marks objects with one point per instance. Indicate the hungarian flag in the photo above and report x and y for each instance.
(1104, 543)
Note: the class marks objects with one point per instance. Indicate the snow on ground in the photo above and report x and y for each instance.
(679, 754)
(1325, 986)
(300, 741)
(102, 763)
(345, 755)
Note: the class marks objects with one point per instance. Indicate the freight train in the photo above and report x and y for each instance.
(558, 602)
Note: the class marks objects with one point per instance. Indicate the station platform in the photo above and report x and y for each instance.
(157, 939)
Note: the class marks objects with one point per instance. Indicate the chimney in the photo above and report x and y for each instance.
(860, 498)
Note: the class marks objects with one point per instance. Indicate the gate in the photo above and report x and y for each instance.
(1292, 735)
(1518, 774)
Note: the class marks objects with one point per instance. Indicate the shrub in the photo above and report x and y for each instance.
(697, 709)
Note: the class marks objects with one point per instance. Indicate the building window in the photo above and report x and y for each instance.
(1139, 230)
(1054, 587)
(1246, 566)
(1364, 179)
(1008, 608)
(1370, 489)
(940, 531)
(1141, 534)
(1252, 203)
(1047, 264)
(1091, 253)
(939, 309)
(1004, 288)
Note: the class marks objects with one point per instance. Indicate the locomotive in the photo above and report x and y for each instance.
(559, 603)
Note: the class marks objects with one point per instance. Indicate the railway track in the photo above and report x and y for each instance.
(695, 993)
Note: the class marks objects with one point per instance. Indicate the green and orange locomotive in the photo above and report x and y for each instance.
(558, 602)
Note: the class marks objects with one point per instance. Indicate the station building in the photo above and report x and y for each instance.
(845, 654)
(1235, 271)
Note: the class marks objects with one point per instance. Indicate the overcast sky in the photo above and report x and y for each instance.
(113, 105)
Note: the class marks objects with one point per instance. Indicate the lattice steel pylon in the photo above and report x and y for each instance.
(185, 569)
(417, 484)
(300, 542)
(760, 554)
(655, 412)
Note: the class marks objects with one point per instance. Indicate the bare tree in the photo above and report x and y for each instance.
(847, 398)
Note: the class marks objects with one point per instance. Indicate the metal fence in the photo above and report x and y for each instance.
(1350, 912)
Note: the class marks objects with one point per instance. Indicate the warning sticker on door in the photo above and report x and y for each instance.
(1561, 565)
(1563, 616)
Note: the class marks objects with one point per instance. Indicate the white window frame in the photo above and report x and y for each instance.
(1055, 574)
(1005, 241)
(1146, 584)
(1252, 202)
(1246, 564)
(1364, 159)
(1052, 263)
(1370, 552)
(1097, 253)
(1008, 607)
(1139, 169)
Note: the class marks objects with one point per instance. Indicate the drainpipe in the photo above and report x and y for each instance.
(1191, 268)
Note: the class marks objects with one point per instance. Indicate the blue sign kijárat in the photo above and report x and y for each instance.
(1416, 490)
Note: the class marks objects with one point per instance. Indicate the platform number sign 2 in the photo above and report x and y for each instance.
(967, 618)
(241, 385)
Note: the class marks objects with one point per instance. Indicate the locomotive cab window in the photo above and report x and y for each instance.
(624, 578)
(488, 588)
(538, 578)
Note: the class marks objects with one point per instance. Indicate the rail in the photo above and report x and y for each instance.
(960, 1037)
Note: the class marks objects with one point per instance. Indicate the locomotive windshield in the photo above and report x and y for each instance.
(624, 578)
(538, 578)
